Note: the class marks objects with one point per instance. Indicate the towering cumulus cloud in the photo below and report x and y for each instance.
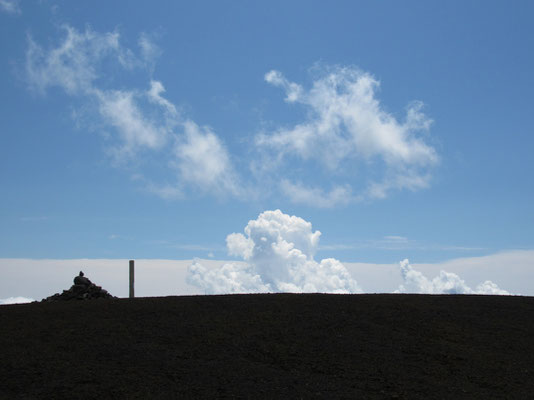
(444, 283)
(278, 251)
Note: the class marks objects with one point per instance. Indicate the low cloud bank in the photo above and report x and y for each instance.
(16, 300)
(445, 283)
(278, 252)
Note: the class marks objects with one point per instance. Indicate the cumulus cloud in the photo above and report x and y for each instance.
(10, 6)
(278, 252)
(16, 300)
(142, 120)
(445, 283)
(346, 126)
(278, 256)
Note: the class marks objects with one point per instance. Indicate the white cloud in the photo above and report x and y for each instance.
(512, 270)
(396, 239)
(10, 6)
(154, 95)
(16, 300)
(203, 160)
(294, 91)
(278, 250)
(229, 278)
(40, 278)
(316, 197)
(346, 125)
(195, 247)
(445, 283)
(120, 110)
(166, 192)
(73, 65)
(143, 120)
(239, 245)
(404, 179)
(149, 50)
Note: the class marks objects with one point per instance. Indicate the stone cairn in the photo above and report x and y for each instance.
(83, 289)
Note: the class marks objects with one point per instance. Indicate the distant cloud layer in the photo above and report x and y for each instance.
(278, 252)
(346, 140)
(15, 300)
(513, 271)
(444, 283)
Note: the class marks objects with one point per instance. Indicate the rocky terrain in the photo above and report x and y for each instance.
(270, 346)
(83, 289)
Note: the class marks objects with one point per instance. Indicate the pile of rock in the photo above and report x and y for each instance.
(83, 289)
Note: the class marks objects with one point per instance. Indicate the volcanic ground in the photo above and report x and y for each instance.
(270, 346)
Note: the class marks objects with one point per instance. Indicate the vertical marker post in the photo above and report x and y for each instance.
(132, 273)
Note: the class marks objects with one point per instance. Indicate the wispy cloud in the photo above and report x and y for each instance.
(136, 131)
(150, 51)
(395, 242)
(347, 138)
(10, 6)
(316, 196)
(197, 247)
(142, 120)
(74, 64)
(346, 126)
(165, 191)
(396, 239)
(203, 160)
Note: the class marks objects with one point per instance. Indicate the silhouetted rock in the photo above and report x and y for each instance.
(81, 280)
(83, 289)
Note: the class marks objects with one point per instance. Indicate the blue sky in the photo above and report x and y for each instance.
(140, 130)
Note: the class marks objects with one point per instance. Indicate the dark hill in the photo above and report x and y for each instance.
(270, 346)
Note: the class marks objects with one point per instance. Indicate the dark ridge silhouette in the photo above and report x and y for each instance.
(270, 346)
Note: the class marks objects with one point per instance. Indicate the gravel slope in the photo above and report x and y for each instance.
(270, 346)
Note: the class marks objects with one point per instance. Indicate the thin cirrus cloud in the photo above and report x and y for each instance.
(345, 128)
(142, 120)
(10, 6)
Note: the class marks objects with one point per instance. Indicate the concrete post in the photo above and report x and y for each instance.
(132, 273)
